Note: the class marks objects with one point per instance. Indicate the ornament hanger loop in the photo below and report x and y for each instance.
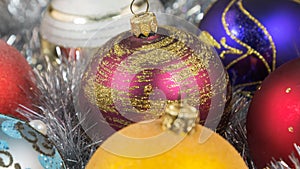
(131, 7)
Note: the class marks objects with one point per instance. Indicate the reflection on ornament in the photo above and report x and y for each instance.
(17, 81)
(191, 10)
(189, 153)
(252, 37)
(71, 27)
(273, 118)
(132, 78)
(23, 147)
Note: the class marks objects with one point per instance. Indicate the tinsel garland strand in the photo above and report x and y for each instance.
(236, 130)
(56, 85)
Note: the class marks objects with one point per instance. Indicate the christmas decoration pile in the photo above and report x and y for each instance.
(80, 90)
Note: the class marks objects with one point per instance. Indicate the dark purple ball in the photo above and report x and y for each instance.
(253, 37)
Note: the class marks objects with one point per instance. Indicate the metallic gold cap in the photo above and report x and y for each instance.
(180, 118)
(143, 24)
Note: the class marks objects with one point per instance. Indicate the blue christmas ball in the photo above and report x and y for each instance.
(253, 37)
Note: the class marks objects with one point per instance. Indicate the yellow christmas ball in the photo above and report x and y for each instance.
(145, 145)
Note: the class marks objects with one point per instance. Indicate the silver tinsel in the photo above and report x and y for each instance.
(282, 164)
(236, 131)
(191, 10)
(19, 25)
(20, 22)
(19, 15)
(56, 109)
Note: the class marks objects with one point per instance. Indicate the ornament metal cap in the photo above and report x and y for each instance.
(143, 23)
(180, 118)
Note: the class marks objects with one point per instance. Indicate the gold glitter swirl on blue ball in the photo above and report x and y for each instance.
(250, 35)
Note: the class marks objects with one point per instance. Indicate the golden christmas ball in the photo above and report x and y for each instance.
(146, 145)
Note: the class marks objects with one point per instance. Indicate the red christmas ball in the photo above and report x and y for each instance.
(16, 81)
(273, 121)
(131, 79)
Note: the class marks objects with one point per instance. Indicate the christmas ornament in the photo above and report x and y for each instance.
(68, 26)
(273, 118)
(21, 146)
(17, 82)
(132, 77)
(200, 148)
(253, 37)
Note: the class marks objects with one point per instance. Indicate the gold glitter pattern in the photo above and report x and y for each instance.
(232, 50)
(249, 49)
(124, 78)
(229, 50)
(297, 1)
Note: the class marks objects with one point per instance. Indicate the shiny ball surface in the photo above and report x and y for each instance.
(17, 82)
(273, 121)
(131, 79)
(21, 146)
(253, 37)
(214, 152)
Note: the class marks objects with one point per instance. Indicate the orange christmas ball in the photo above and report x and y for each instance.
(146, 146)
(17, 81)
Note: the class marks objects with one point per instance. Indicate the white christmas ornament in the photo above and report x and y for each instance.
(73, 23)
(21, 146)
